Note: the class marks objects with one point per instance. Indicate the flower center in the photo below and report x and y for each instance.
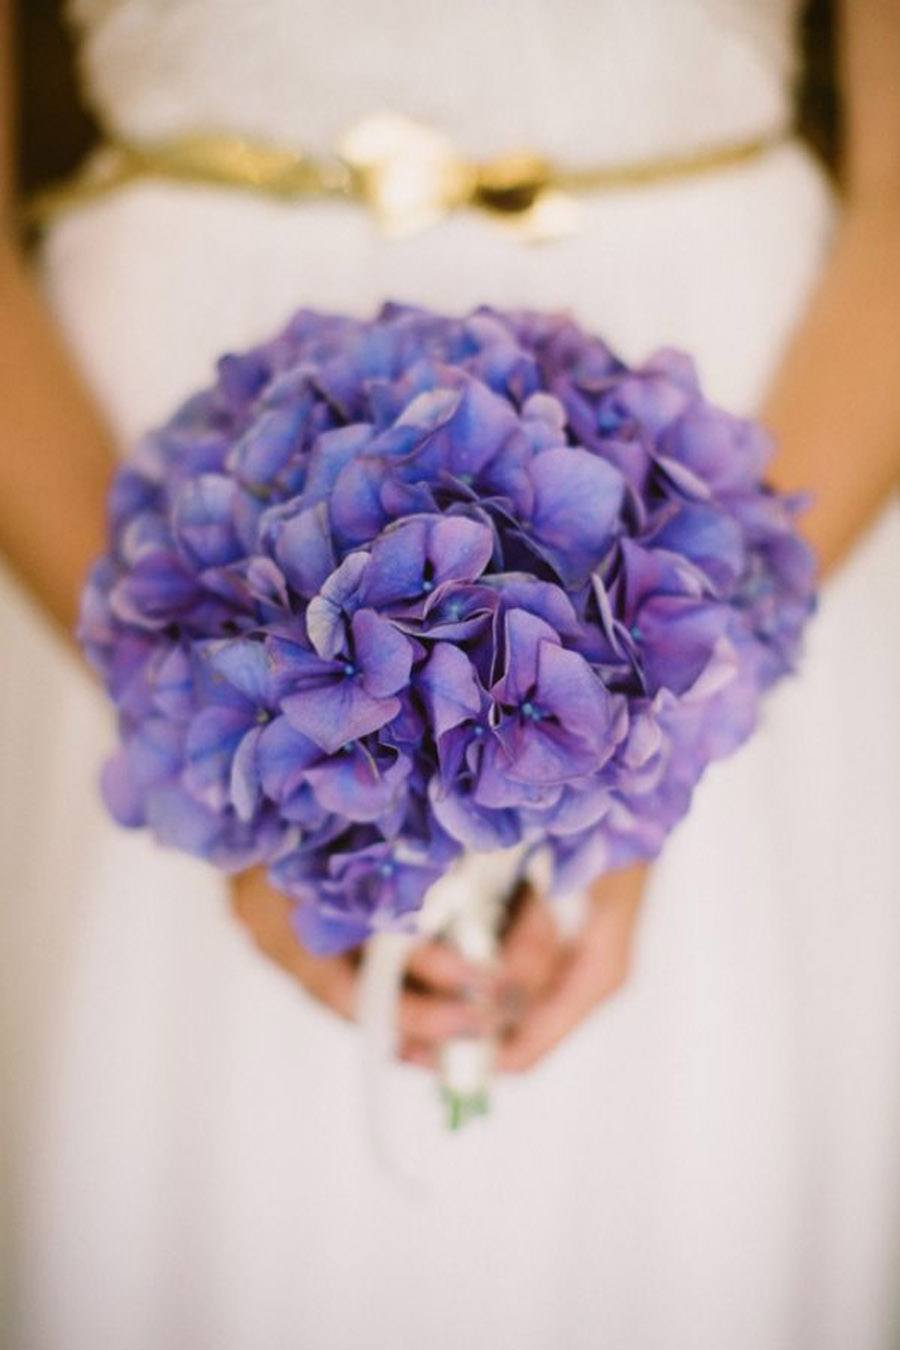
(529, 710)
(608, 419)
(386, 869)
(349, 668)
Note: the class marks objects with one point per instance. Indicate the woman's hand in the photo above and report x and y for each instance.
(436, 1003)
(538, 990)
(549, 984)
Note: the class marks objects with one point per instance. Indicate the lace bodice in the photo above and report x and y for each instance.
(575, 79)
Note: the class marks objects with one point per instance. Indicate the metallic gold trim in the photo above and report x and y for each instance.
(409, 176)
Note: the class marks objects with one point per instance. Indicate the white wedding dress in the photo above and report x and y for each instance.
(713, 1160)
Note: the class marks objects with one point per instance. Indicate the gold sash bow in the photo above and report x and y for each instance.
(409, 176)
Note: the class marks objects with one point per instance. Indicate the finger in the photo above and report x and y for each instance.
(544, 1024)
(530, 950)
(594, 969)
(434, 1018)
(439, 966)
(418, 1053)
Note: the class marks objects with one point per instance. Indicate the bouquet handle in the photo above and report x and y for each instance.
(466, 908)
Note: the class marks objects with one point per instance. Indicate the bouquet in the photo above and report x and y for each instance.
(394, 594)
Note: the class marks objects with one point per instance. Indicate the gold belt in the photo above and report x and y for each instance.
(407, 175)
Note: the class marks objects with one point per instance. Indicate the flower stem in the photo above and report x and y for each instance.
(462, 1107)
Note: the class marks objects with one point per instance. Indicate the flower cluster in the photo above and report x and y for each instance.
(396, 588)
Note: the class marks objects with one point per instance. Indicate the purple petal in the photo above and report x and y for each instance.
(266, 583)
(327, 933)
(355, 502)
(337, 713)
(245, 665)
(578, 498)
(431, 410)
(541, 754)
(212, 739)
(180, 821)
(150, 756)
(325, 612)
(710, 538)
(383, 655)
(121, 795)
(569, 690)
(304, 550)
(472, 826)
(173, 683)
(677, 639)
(543, 598)
(284, 755)
(267, 446)
(652, 396)
(728, 453)
(684, 479)
(292, 665)
(397, 564)
(648, 572)
(578, 809)
(524, 633)
(244, 787)
(459, 548)
(332, 451)
(645, 739)
(482, 423)
(353, 786)
(202, 520)
(498, 787)
(449, 688)
(154, 592)
(145, 535)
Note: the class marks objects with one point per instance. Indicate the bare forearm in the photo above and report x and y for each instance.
(55, 453)
(836, 402)
(835, 405)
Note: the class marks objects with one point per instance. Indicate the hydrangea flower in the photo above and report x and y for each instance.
(392, 589)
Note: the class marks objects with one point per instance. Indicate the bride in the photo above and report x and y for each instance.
(709, 1159)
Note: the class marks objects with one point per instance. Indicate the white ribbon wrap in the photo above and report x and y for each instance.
(465, 906)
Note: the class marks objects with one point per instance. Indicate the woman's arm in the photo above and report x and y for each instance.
(55, 452)
(835, 404)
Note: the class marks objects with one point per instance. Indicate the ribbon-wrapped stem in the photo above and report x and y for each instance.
(465, 908)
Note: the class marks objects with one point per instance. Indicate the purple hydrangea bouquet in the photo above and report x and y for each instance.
(396, 594)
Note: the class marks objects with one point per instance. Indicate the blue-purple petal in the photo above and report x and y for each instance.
(383, 655)
(337, 713)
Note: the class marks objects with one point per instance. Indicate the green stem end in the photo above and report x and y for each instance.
(463, 1107)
